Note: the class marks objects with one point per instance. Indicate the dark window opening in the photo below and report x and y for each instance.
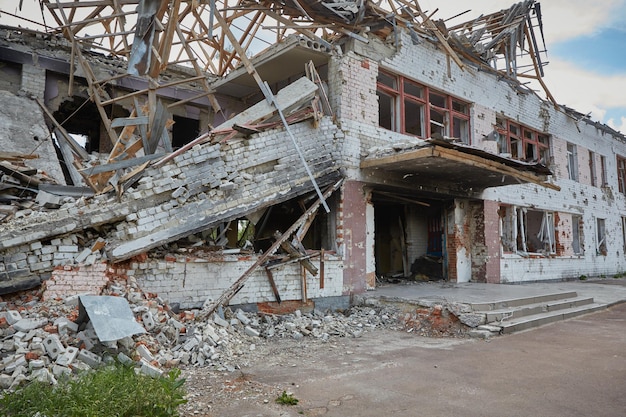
(184, 131)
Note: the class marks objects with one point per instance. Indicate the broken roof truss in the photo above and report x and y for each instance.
(215, 37)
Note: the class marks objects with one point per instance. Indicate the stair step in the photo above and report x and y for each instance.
(536, 308)
(516, 302)
(535, 320)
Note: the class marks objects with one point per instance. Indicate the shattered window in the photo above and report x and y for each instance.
(600, 237)
(621, 174)
(524, 230)
(624, 235)
(408, 107)
(577, 235)
(572, 162)
(592, 168)
(522, 143)
(603, 170)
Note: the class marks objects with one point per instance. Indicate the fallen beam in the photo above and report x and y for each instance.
(209, 308)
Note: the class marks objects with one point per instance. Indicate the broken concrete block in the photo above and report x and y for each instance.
(36, 364)
(220, 321)
(124, 359)
(64, 325)
(53, 346)
(12, 316)
(89, 338)
(89, 358)
(190, 344)
(8, 345)
(82, 256)
(17, 381)
(5, 381)
(26, 325)
(58, 370)
(241, 316)
(148, 320)
(67, 357)
(16, 362)
(251, 332)
(43, 375)
(79, 367)
(144, 353)
(150, 370)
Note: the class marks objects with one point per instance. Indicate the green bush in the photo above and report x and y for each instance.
(113, 391)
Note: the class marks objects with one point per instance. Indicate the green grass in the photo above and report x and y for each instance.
(113, 391)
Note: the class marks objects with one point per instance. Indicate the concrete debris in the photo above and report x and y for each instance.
(50, 343)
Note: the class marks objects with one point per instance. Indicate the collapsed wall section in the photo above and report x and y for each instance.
(209, 184)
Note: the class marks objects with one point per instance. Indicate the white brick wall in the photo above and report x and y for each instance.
(192, 282)
(426, 64)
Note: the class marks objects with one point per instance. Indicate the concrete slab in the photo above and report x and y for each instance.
(608, 291)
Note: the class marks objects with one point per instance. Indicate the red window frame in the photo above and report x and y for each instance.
(524, 143)
(455, 112)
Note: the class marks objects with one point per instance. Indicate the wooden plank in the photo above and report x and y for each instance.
(209, 307)
(477, 161)
(128, 121)
(270, 278)
(24, 179)
(114, 166)
(14, 156)
(395, 158)
(295, 253)
(79, 150)
(68, 158)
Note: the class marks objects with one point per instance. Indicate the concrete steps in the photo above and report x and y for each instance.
(524, 313)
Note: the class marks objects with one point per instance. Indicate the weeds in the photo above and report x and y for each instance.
(112, 391)
(287, 399)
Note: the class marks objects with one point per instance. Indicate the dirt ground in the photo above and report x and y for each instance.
(572, 368)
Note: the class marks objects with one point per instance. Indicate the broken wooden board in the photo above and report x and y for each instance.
(209, 307)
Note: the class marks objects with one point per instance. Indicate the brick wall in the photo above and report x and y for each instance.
(33, 80)
(73, 280)
(191, 281)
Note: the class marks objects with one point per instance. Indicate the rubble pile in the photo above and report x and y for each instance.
(44, 340)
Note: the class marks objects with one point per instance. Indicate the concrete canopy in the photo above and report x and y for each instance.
(472, 168)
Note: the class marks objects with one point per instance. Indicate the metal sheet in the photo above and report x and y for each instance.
(111, 317)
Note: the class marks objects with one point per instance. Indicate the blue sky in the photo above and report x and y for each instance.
(586, 43)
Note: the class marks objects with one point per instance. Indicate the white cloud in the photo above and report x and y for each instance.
(585, 90)
(619, 126)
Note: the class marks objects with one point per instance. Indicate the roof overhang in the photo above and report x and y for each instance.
(458, 164)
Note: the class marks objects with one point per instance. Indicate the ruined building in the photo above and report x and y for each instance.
(368, 140)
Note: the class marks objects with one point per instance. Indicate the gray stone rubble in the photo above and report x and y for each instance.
(40, 339)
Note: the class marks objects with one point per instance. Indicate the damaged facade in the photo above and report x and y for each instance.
(405, 150)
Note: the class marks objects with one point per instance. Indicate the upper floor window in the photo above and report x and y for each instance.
(572, 162)
(621, 174)
(408, 107)
(522, 143)
(603, 170)
(592, 168)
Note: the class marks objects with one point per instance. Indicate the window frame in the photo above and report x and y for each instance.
(518, 138)
(572, 161)
(592, 169)
(621, 173)
(577, 235)
(455, 112)
(601, 246)
(515, 235)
